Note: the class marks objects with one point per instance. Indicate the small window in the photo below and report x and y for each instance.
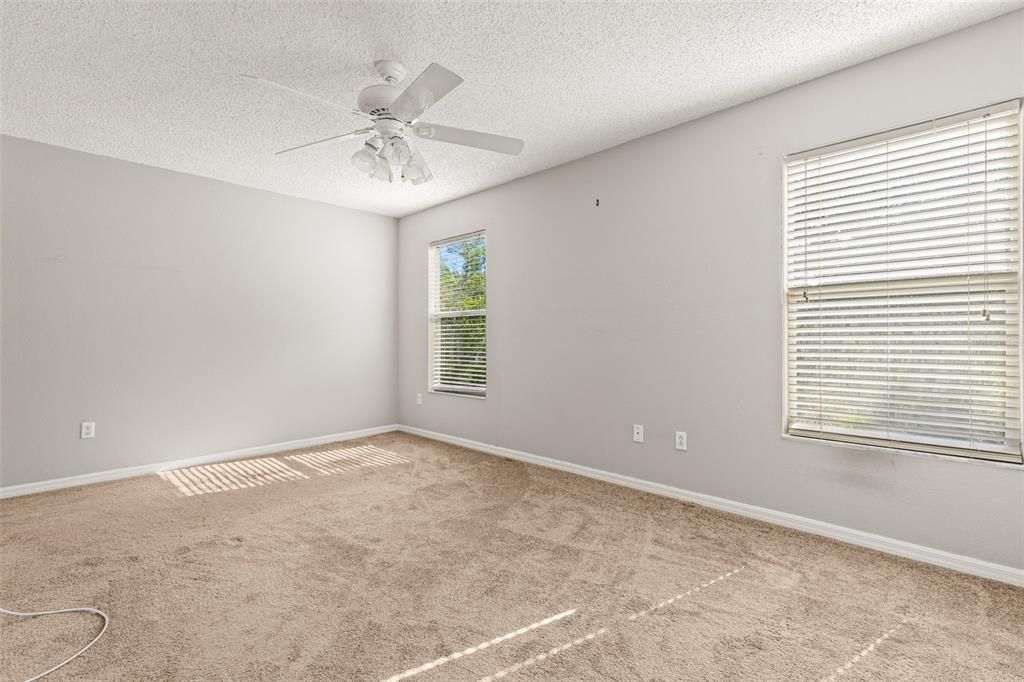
(903, 288)
(458, 315)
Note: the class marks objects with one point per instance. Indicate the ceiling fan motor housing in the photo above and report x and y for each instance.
(388, 128)
(376, 100)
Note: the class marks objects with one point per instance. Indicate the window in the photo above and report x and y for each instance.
(458, 315)
(902, 288)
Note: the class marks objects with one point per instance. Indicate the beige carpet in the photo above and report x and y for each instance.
(432, 562)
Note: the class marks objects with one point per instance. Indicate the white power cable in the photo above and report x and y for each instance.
(82, 609)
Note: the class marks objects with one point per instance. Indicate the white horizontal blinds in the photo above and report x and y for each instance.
(902, 277)
(458, 315)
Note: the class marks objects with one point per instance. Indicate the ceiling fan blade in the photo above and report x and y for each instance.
(429, 87)
(354, 133)
(306, 95)
(469, 138)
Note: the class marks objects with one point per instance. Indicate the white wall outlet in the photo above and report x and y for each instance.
(88, 430)
(419, 398)
(680, 440)
(638, 433)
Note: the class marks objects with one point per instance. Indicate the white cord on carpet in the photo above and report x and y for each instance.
(82, 609)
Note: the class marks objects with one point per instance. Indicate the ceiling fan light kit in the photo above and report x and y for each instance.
(397, 150)
(365, 159)
(416, 171)
(395, 113)
(383, 170)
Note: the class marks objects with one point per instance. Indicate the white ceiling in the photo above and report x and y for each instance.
(157, 83)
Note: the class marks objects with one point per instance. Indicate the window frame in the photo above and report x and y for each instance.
(440, 389)
(896, 446)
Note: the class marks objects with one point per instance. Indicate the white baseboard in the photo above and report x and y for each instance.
(929, 555)
(937, 557)
(142, 470)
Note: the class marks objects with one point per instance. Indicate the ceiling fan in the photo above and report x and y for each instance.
(395, 113)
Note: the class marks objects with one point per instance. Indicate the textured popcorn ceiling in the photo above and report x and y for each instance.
(157, 83)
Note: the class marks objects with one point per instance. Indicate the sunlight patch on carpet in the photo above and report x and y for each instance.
(554, 651)
(339, 461)
(249, 473)
(224, 476)
(843, 669)
(590, 636)
(479, 647)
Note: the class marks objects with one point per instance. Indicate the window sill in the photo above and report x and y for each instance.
(455, 394)
(897, 451)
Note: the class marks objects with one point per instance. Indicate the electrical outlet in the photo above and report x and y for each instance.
(88, 430)
(419, 398)
(638, 433)
(680, 440)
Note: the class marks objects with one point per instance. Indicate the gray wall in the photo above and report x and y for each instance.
(664, 307)
(185, 316)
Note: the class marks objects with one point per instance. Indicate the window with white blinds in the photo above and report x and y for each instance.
(902, 288)
(458, 315)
